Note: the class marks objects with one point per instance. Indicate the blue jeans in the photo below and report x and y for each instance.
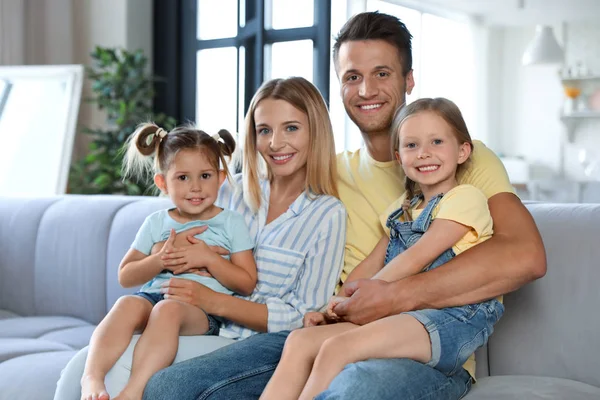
(241, 371)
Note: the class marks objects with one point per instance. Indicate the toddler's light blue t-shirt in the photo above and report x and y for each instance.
(227, 229)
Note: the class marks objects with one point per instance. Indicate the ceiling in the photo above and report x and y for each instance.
(517, 12)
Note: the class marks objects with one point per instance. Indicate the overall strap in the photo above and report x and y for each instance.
(421, 224)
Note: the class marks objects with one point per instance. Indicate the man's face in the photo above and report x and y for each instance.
(371, 83)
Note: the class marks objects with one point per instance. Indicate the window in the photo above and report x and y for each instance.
(443, 57)
(237, 45)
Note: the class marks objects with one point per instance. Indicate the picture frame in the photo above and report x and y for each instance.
(39, 107)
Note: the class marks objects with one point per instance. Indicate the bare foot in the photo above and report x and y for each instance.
(93, 389)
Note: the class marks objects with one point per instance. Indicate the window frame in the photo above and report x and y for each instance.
(176, 45)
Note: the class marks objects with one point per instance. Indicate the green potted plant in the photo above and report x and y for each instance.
(124, 89)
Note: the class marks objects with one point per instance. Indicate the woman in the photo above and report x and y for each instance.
(298, 225)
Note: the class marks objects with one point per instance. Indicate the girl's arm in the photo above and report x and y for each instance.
(370, 265)
(441, 235)
(137, 268)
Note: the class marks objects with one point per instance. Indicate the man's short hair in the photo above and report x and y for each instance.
(377, 26)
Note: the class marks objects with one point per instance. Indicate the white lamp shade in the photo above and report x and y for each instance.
(544, 49)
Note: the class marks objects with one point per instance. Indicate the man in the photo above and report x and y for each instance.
(372, 56)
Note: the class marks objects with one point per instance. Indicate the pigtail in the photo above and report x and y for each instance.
(227, 146)
(140, 146)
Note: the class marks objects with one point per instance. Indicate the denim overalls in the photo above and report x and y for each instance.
(455, 332)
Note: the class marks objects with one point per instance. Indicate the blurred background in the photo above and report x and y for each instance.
(525, 73)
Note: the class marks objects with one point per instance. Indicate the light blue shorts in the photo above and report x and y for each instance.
(456, 332)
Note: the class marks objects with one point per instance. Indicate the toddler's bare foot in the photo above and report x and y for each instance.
(93, 389)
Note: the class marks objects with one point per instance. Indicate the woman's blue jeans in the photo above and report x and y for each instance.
(241, 371)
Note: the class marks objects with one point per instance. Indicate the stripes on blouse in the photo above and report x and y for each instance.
(299, 255)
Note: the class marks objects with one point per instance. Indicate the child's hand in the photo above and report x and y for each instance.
(313, 319)
(184, 259)
(334, 301)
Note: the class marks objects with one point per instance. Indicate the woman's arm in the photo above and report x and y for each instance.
(242, 312)
(316, 280)
(441, 235)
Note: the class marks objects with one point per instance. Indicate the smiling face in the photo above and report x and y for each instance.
(282, 137)
(192, 182)
(430, 152)
(372, 84)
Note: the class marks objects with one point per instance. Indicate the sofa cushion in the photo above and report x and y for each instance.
(549, 328)
(13, 347)
(34, 327)
(32, 376)
(512, 387)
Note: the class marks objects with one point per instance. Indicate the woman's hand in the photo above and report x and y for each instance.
(193, 293)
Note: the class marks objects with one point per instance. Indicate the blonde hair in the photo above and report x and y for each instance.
(445, 109)
(321, 167)
(151, 150)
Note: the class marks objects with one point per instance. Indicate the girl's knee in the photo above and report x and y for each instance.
(298, 338)
(334, 345)
(168, 310)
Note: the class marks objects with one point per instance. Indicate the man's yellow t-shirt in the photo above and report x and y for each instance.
(368, 187)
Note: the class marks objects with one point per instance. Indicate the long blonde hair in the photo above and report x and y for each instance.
(321, 167)
(150, 149)
(445, 109)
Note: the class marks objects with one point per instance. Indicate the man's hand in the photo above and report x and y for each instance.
(369, 300)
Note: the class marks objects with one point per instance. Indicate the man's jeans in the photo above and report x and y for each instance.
(241, 371)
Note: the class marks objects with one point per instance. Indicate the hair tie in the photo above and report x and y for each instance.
(161, 133)
(218, 138)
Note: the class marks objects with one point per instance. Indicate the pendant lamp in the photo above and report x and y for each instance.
(544, 49)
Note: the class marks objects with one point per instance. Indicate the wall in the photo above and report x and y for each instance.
(529, 100)
(66, 31)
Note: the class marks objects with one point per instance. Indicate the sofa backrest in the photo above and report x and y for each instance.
(551, 326)
(60, 255)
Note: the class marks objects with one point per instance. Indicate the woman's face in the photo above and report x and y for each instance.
(282, 137)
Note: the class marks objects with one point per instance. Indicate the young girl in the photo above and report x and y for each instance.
(442, 219)
(187, 165)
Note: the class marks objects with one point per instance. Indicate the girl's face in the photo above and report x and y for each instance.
(282, 137)
(192, 182)
(430, 152)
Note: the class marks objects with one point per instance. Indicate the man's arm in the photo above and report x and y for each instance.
(514, 256)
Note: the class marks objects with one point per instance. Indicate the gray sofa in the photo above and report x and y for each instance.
(58, 277)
